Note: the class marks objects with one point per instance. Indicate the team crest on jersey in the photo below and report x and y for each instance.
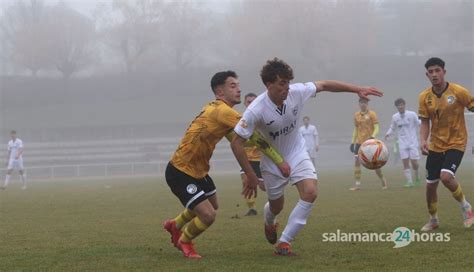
(429, 100)
(295, 110)
(243, 123)
(451, 99)
(191, 189)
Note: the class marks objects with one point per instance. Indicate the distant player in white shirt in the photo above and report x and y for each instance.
(276, 115)
(15, 160)
(311, 138)
(406, 124)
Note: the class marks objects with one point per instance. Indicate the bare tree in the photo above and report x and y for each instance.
(71, 35)
(185, 30)
(23, 28)
(131, 29)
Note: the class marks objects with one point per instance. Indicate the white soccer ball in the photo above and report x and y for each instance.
(373, 154)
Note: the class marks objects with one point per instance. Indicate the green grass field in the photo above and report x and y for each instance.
(115, 225)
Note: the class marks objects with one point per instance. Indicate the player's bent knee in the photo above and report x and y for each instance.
(446, 177)
(208, 217)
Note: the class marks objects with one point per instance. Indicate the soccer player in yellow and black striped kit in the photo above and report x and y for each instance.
(187, 172)
(443, 105)
(366, 126)
(253, 154)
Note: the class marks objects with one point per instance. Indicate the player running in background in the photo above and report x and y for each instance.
(187, 172)
(443, 105)
(276, 114)
(254, 158)
(366, 127)
(311, 138)
(15, 160)
(405, 125)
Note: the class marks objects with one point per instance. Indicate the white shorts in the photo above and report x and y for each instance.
(409, 153)
(15, 164)
(275, 184)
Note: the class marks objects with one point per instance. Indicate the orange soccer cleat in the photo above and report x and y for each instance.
(188, 250)
(170, 226)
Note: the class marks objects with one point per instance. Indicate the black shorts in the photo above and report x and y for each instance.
(190, 191)
(356, 149)
(256, 167)
(448, 161)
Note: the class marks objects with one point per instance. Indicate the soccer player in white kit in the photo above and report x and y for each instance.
(15, 160)
(311, 139)
(406, 124)
(276, 114)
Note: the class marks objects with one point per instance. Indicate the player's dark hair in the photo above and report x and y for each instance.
(306, 117)
(249, 95)
(434, 62)
(365, 100)
(399, 101)
(220, 78)
(13, 132)
(275, 68)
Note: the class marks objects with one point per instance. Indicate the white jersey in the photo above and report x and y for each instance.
(310, 136)
(406, 125)
(14, 147)
(279, 126)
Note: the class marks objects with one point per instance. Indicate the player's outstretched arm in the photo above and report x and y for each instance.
(339, 86)
(256, 139)
(250, 185)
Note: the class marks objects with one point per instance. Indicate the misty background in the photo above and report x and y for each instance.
(109, 87)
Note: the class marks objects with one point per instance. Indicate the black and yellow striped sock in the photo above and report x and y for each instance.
(192, 230)
(433, 209)
(183, 218)
(357, 173)
(251, 202)
(458, 194)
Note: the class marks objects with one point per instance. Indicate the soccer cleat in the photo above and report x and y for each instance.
(408, 185)
(431, 225)
(251, 212)
(384, 187)
(170, 226)
(284, 249)
(355, 188)
(188, 250)
(271, 233)
(468, 216)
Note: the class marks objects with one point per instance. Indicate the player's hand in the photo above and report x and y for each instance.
(364, 92)
(352, 148)
(424, 148)
(284, 169)
(250, 186)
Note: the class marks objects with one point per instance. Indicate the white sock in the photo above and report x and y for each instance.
(296, 221)
(407, 173)
(23, 179)
(7, 180)
(464, 204)
(268, 215)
